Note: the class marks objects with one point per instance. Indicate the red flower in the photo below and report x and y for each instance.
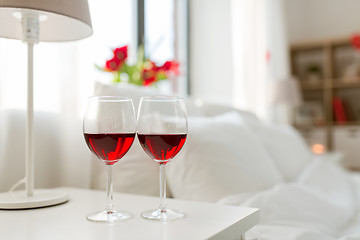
(355, 40)
(113, 65)
(121, 53)
(172, 66)
(149, 72)
(149, 79)
(144, 72)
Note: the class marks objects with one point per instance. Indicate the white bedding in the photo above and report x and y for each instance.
(322, 204)
(231, 157)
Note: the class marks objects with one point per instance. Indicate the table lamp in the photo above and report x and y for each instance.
(33, 21)
(286, 93)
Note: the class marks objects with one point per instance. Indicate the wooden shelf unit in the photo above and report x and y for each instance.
(319, 66)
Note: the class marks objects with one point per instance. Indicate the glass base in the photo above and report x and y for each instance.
(108, 216)
(162, 214)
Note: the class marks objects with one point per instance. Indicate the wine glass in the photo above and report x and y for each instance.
(109, 130)
(162, 131)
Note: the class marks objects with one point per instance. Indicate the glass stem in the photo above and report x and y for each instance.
(109, 188)
(162, 187)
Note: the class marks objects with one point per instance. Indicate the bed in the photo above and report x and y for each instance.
(231, 157)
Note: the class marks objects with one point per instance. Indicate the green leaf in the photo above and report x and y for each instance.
(116, 78)
(100, 68)
(161, 76)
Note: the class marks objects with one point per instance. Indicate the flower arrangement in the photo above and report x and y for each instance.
(143, 72)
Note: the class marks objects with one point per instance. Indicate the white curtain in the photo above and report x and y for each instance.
(64, 74)
(260, 52)
(277, 40)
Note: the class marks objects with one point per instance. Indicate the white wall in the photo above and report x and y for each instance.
(210, 50)
(321, 19)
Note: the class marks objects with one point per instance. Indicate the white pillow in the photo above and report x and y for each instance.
(220, 157)
(286, 148)
(135, 173)
(125, 90)
(136, 92)
(212, 109)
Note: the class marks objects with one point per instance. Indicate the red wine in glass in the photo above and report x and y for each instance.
(110, 147)
(109, 128)
(162, 132)
(162, 147)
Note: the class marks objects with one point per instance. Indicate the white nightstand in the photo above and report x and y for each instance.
(67, 221)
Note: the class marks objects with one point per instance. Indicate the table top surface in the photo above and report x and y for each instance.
(68, 220)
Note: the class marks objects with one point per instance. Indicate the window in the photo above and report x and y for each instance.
(159, 30)
(165, 31)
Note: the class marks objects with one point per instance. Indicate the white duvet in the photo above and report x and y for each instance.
(321, 205)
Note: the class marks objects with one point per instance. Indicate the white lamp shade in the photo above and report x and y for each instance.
(67, 20)
(285, 91)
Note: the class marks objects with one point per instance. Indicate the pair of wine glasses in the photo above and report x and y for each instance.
(110, 127)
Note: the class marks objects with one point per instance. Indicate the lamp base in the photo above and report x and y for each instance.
(41, 198)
